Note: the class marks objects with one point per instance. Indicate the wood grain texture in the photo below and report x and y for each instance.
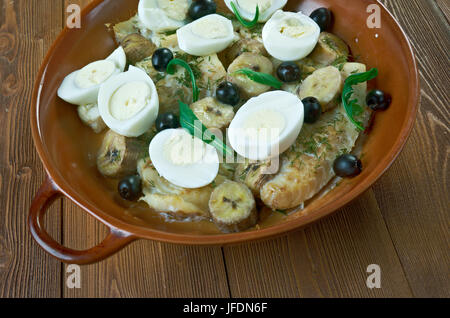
(25, 270)
(400, 224)
(444, 6)
(145, 269)
(327, 259)
(408, 245)
(414, 196)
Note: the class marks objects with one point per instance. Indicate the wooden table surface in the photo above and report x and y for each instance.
(401, 223)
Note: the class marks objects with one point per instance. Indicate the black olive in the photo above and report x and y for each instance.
(228, 93)
(130, 188)
(378, 100)
(167, 121)
(347, 166)
(323, 17)
(161, 59)
(313, 109)
(288, 72)
(201, 8)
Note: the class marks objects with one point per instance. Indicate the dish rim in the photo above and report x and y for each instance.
(224, 239)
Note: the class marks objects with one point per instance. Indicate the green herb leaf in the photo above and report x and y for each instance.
(339, 62)
(170, 32)
(246, 24)
(184, 64)
(352, 107)
(196, 129)
(281, 211)
(262, 78)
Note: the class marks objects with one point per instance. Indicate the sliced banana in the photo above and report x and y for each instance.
(212, 113)
(165, 197)
(212, 73)
(177, 202)
(90, 116)
(255, 62)
(330, 50)
(307, 67)
(325, 84)
(118, 155)
(360, 90)
(125, 28)
(242, 46)
(255, 174)
(170, 42)
(233, 207)
(137, 47)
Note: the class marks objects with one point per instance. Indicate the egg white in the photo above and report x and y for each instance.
(264, 15)
(138, 123)
(286, 48)
(190, 175)
(70, 92)
(191, 42)
(287, 105)
(153, 17)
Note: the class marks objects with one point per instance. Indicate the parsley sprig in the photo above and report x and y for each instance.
(193, 125)
(188, 120)
(247, 24)
(352, 108)
(262, 78)
(171, 70)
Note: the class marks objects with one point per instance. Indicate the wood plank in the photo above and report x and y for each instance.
(444, 6)
(27, 29)
(144, 269)
(414, 195)
(327, 259)
(333, 262)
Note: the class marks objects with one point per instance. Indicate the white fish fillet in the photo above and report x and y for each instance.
(165, 197)
(308, 166)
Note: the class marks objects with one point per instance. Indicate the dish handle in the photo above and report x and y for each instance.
(47, 194)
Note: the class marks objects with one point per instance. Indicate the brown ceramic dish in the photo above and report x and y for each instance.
(58, 133)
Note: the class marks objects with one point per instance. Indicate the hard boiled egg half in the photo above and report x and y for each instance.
(81, 87)
(290, 36)
(247, 8)
(184, 160)
(266, 125)
(163, 15)
(211, 34)
(128, 102)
